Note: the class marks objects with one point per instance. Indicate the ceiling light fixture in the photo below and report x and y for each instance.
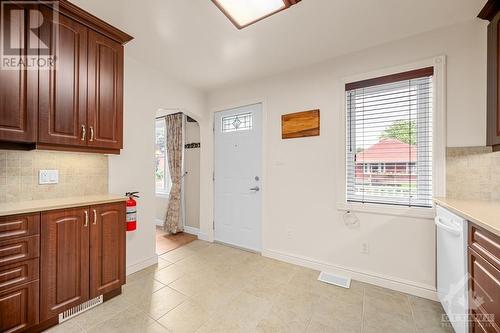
(245, 12)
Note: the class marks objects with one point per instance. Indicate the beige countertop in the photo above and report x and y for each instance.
(31, 206)
(485, 214)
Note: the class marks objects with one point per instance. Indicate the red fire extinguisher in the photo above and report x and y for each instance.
(131, 211)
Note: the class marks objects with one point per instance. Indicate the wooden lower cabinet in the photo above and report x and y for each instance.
(19, 272)
(82, 256)
(19, 308)
(16, 226)
(53, 261)
(107, 248)
(64, 260)
(17, 250)
(484, 282)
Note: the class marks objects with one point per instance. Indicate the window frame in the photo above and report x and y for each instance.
(439, 140)
(163, 193)
(395, 195)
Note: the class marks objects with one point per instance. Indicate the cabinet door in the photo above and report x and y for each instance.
(63, 90)
(18, 87)
(493, 89)
(64, 260)
(484, 292)
(105, 92)
(107, 248)
(19, 308)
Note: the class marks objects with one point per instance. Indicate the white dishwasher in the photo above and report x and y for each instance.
(452, 276)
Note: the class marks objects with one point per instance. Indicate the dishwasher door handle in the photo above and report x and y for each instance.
(455, 231)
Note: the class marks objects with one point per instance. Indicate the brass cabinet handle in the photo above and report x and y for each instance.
(91, 133)
(95, 216)
(84, 132)
(86, 219)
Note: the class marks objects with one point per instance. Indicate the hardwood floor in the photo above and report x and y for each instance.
(166, 243)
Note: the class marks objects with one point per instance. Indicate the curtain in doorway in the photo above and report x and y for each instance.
(172, 222)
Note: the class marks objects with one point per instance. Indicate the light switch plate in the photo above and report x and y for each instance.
(46, 177)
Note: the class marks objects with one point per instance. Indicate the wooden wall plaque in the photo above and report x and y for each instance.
(300, 124)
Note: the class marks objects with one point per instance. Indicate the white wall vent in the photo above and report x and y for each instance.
(337, 280)
(75, 311)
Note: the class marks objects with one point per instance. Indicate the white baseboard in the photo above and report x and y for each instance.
(187, 229)
(203, 236)
(141, 265)
(405, 286)
(191, 230)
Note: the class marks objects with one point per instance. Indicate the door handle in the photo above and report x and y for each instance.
(91, 133)
(256, 189)
(86, 219)
(84, 132)
(95, 216)
(453, 231)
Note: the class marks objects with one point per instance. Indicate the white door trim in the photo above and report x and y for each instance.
(210, 236)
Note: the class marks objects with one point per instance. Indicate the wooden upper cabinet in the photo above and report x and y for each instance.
(63, 90)
(76, 105)
(105, 92)
(493, 89)
(491, 13)
(64, 260)
(18, 113)
(107, 248)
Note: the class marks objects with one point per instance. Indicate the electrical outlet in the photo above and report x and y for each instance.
(289, 233)
(46, 177)
(365, 249)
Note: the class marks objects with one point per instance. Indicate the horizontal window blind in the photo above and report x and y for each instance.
(389, 139)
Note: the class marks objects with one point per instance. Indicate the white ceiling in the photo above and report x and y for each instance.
(194, 42)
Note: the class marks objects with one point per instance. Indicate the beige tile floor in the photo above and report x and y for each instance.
(203, 287)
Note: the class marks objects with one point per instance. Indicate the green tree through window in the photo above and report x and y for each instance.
(402, 130)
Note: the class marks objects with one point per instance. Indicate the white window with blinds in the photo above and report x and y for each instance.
(389, 139)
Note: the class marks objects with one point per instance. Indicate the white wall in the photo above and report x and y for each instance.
(146, 90)
(300, 220)
(192, 179)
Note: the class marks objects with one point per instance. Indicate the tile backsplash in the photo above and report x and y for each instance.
(79, 174)
(472, 173)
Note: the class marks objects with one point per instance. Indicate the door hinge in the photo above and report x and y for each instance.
(213, 226)
(213, 176)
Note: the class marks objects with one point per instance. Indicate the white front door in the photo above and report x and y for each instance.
(238, 176)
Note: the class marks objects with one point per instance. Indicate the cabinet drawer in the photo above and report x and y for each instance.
(19, 226)
(17, 274)
(19, 308)
(17, 250)
(484, 291)
(485, 244)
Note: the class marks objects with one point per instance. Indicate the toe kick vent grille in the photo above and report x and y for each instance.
(75, 311)
(337, 280)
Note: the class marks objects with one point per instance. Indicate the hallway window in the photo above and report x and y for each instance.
(162, 176)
